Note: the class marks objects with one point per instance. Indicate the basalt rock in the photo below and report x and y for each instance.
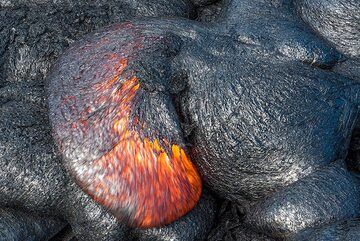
(231, 226)
(16, 225)
(254, 99)
(338, 21)
(347, 230)
(241, 108)
(33, 35)
(331, 193)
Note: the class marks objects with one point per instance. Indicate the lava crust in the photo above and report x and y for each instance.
(98, 95)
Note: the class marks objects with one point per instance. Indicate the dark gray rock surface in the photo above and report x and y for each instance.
(267, 94)
(348, 230)
(337, 21)
(33, 35)
(17, 225)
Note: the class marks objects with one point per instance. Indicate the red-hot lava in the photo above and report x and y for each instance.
(146, 181)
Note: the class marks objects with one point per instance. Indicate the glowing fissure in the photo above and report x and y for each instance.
(138, 175)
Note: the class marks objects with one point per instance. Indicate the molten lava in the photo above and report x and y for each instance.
(145, 181)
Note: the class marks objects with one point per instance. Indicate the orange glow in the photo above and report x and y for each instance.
(150, 180)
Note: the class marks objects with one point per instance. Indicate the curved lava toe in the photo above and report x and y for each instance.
(116, 127)
(275, 26)
(336, 20)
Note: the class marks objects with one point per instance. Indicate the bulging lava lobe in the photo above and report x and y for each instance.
(121, 142)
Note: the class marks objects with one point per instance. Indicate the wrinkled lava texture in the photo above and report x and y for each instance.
(116, 115)
(116, 129)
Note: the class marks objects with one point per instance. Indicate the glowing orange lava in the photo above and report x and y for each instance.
(146, 180)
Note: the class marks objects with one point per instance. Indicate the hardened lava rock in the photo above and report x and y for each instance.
(338, 21)
(345, 230)
(33, 35)
(16, 225)
(252, 134)
(255, 100)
